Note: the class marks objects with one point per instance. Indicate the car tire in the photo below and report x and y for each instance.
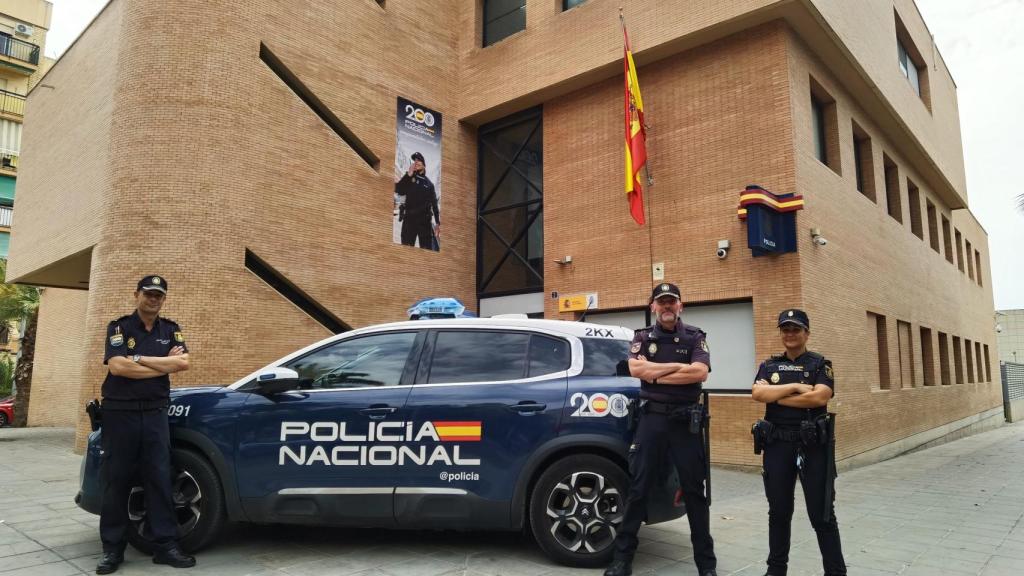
(198, 505)
(3, 419)
(576, 507)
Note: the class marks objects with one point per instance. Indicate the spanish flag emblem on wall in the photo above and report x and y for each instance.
(458, 431)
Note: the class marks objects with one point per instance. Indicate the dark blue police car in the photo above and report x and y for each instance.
(465, 424)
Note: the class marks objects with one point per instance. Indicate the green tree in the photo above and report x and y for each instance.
(20, 304)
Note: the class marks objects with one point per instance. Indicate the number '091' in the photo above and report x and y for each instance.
(178, 410)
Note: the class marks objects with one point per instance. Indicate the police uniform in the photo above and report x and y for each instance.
(664, 433)
(420, 206)
(788, 455)
(136, 438)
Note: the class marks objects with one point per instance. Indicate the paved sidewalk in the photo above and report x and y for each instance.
(951, 510)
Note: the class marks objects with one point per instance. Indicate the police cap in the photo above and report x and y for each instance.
(418, 156)
(152, 283)
(794, 316)
(665, 290)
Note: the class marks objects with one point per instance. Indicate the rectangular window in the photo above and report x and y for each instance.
(959, 250)
(566, 4)
(877, 329)
(946, 238)
(505, 359)
(988, 366)
(906, 349)
(824, 120)
(914, 195)
(944, 358)
(977, 357)
(927, 356)
(970, 261)
(958, 360)
(864, 162)
(503, 18)
(977, 268)
(969, 352)
(911, 63)
(893, 203)
(933, 226)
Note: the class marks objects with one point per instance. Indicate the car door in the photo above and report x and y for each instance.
(490, 397)
(324, 452)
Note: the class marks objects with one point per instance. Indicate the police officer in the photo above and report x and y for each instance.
(672, 360)
(796, 387)
(420, 205)
(142, 349)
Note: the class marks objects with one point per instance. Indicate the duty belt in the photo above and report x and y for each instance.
(134, 405)
(655, 407)
(786, 435)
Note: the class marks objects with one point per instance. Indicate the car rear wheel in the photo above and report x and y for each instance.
(198, 505)
(3, 419)
(576, 508)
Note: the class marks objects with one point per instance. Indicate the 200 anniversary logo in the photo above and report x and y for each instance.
(412, 444)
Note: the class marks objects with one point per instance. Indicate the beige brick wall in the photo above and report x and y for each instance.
(57, 371)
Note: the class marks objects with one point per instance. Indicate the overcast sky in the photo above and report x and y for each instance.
(980, 42)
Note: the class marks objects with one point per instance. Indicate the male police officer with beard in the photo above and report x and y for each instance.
(672, 360)
(797, 439)
(420, 205)
(142, 349)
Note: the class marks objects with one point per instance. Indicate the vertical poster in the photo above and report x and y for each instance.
(417, 216)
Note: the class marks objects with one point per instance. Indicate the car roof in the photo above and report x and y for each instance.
(565, 327)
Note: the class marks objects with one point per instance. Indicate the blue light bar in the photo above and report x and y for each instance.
(438, 308)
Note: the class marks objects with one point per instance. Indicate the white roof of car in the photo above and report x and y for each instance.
(579, 329)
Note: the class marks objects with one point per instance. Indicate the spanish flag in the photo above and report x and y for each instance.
(458, 431)
(636, 136)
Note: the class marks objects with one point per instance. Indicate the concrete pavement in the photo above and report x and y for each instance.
(955, 509)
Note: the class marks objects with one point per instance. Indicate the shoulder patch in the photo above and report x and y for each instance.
(117, 340)
(704, 345)
(179, 337)
(828, 372)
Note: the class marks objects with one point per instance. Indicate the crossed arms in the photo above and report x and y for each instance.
(149, 366)
(792, 395)
(668, 372)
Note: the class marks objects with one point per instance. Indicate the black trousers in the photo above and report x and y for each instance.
(136, 447)
(659, 438)
(421, 230)
(780, 474)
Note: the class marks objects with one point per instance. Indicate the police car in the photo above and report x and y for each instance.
(465, 424)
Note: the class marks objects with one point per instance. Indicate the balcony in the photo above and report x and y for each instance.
(13, 50)
(12, 104)
(6, 213)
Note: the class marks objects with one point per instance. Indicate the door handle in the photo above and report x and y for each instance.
(378, 412)
(527, 407)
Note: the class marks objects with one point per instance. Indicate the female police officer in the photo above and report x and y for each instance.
(796, 438)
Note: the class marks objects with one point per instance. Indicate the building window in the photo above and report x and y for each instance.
(911, 63)
(970, 261)
(905, 346)
(825, 126)
(914, 196)
(566, 4)
(988, 365)
(877, 329)
(958, 360)
(969, 353)
(944, 358)
(503, 18)
(927, 356)
(933, 226)
(959, 250)
(893, 202)
(863, 162)
(977, 356)
(510, 205)
(947, 239)
(977, 267)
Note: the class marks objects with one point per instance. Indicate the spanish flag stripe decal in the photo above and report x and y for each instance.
(458, 431)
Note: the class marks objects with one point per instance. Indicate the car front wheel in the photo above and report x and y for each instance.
(576, 508)
(198, 504)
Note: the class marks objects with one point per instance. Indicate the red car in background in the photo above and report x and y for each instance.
(6, 411)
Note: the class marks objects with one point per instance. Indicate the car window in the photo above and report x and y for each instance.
(375, 360)
(547, 355)
(478, 356)
(601, 355)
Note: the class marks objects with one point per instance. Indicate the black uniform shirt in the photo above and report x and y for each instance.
(686, 344)
(420, 198)
(808, 368)
(127, 336)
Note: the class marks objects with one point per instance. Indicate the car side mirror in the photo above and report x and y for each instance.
(276, 380)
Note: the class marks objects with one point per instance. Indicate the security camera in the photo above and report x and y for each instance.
(817, 238)
(723, 249)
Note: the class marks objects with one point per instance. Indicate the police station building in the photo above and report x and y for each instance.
(277, 165)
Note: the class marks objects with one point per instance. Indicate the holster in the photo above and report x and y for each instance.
(762, 431)
(95, 412)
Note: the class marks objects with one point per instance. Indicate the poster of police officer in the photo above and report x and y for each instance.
(417, 218)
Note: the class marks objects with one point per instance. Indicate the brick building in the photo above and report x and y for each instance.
(235, 148)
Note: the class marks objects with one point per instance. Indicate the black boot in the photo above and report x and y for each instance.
(174, 557)
(710, 572)
(620, 568)
(110, 562)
